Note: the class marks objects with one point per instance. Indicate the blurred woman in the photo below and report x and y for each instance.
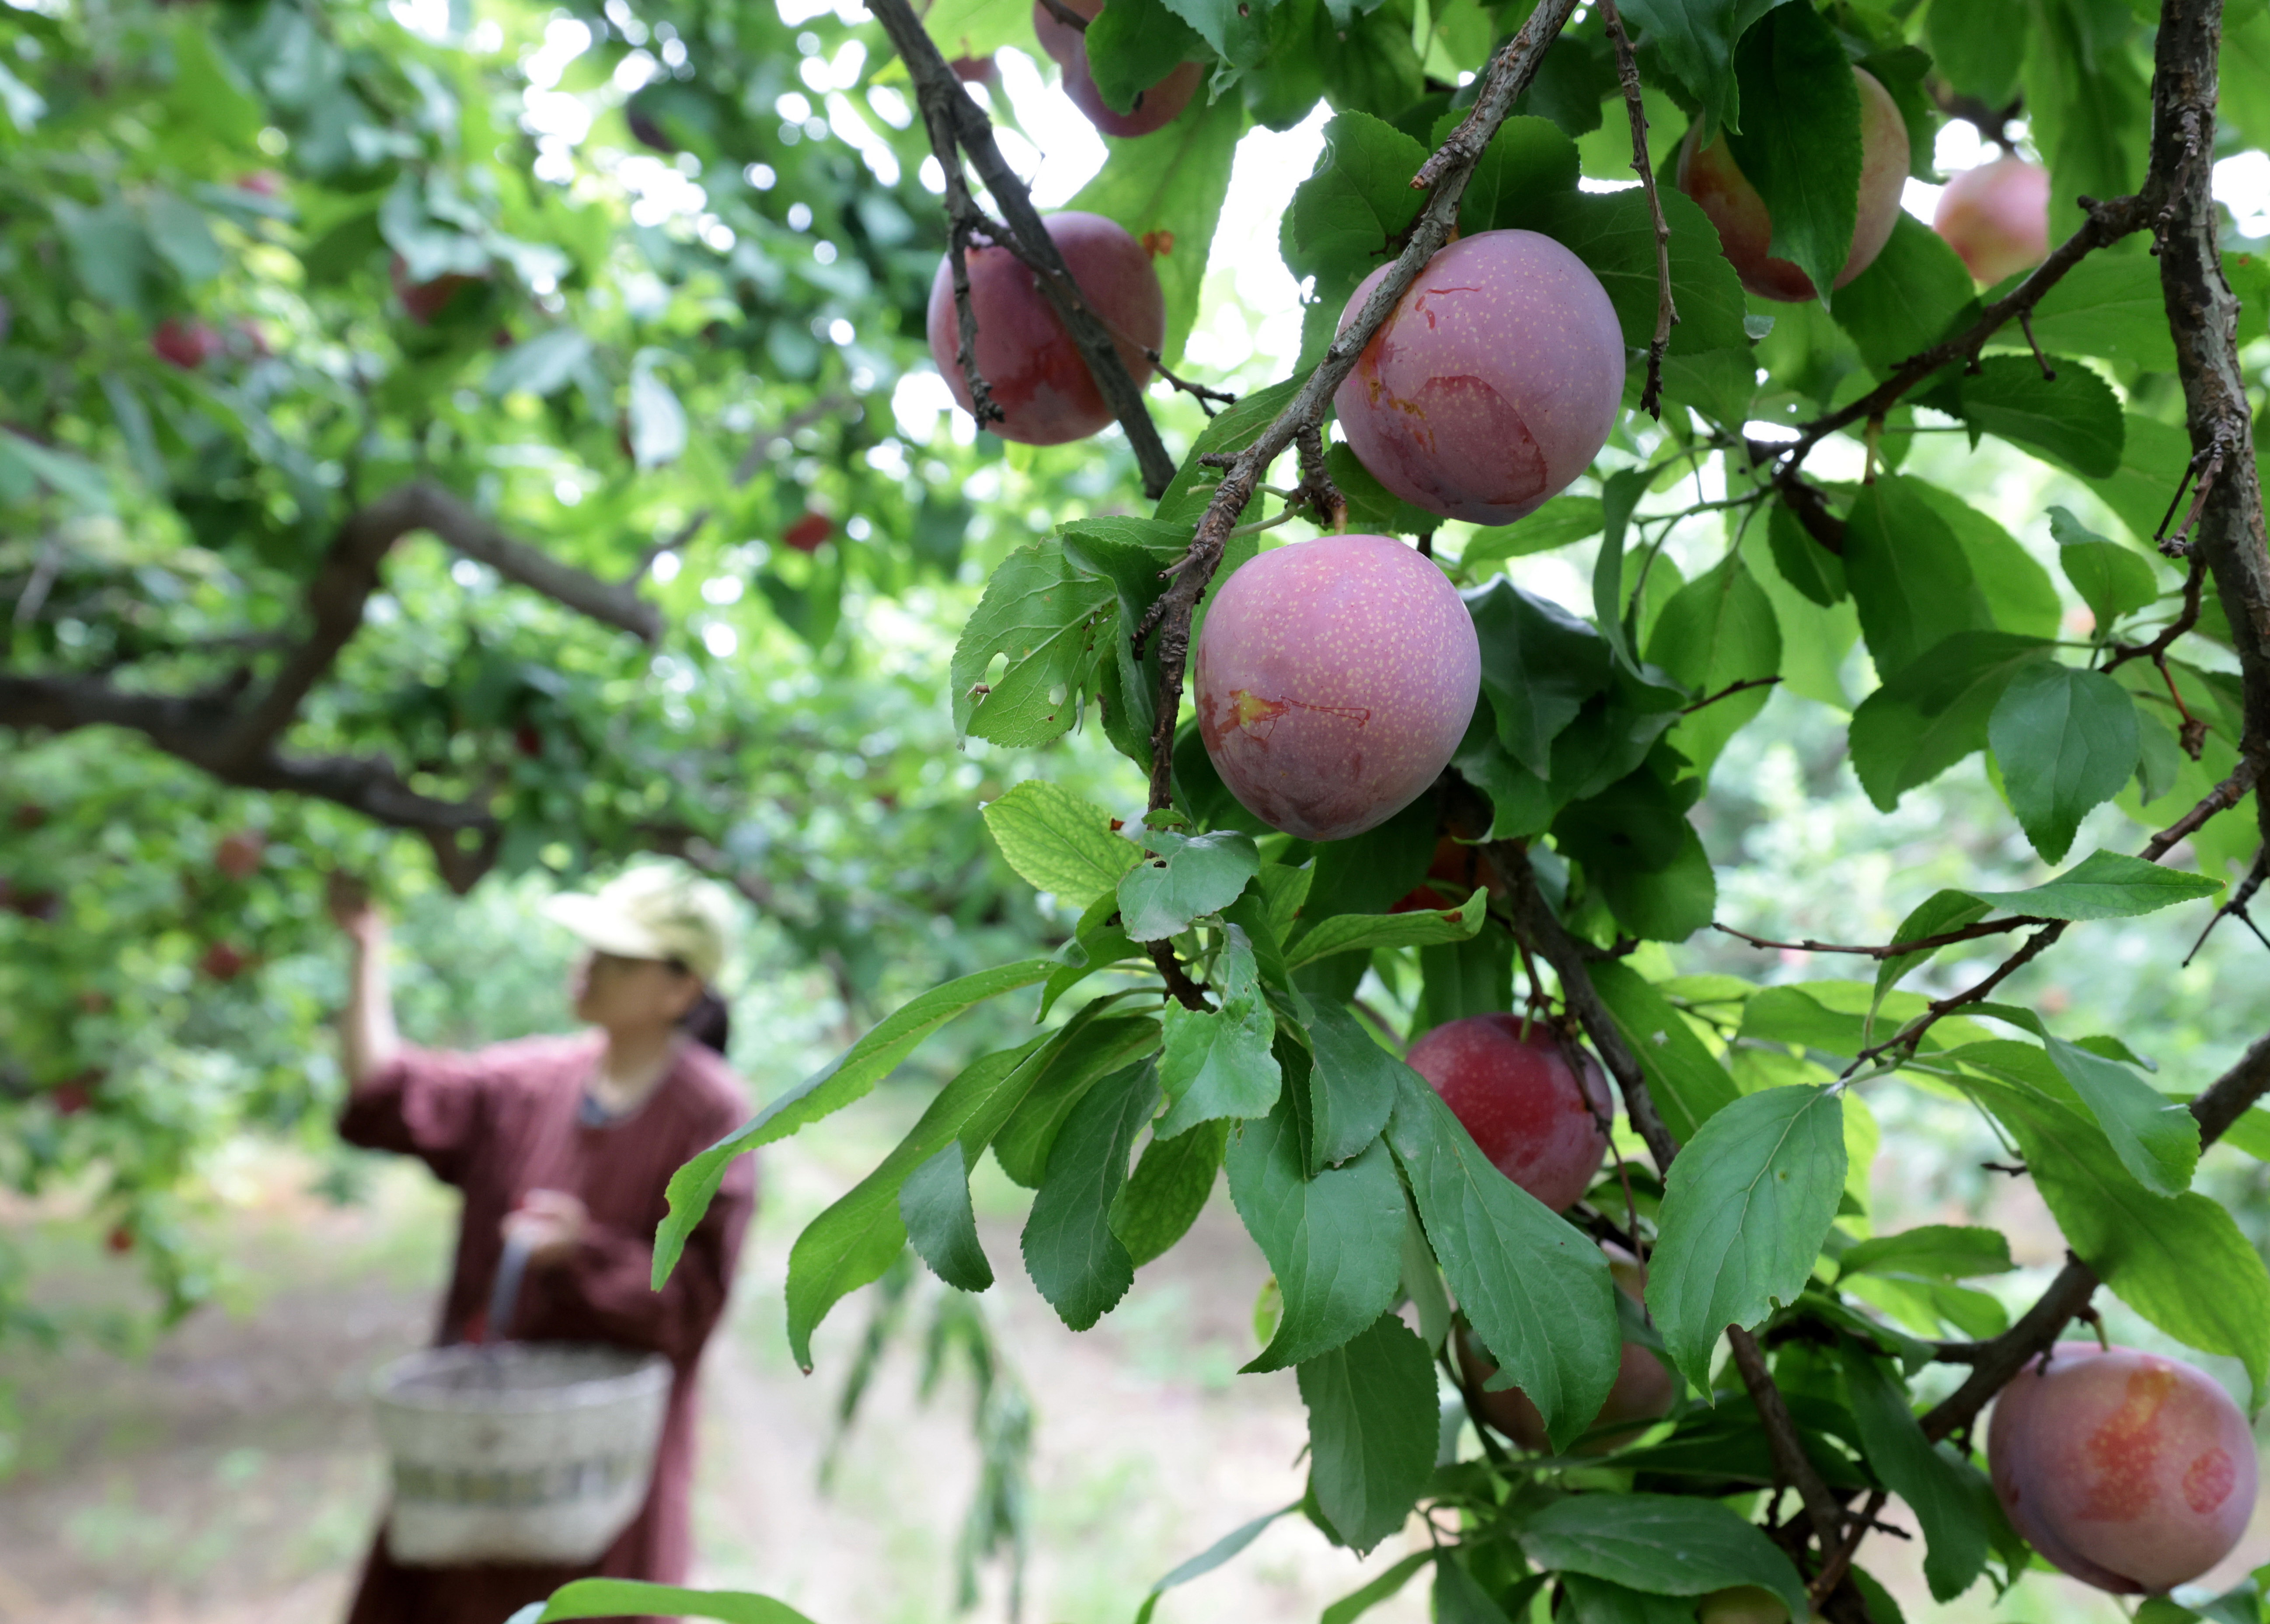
(565, 1145)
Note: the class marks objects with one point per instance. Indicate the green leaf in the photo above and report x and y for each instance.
(1089, 1047)
(1934, 1484)
(1527, 162)
(658, 421)
(541, 366)
(834, 1086)
(2017, 590)
(1232, 429)
(1540, 665)
(934, 1203)
(1074, 1259)
(1334, 1242)
(1613, 234)
(1097, 943)
(1935, 711)
(1459, 1597)
(1908, 572)
(1057, 842)
(1745, 1211)
(1800, 140)
(1352, 1084)
(2072, 418)
(1371, 1430)
(1212, 1557)
(2156, 1138)
(1688, 1084)
(1638, 848)
(1970, 45)
(25, 462)
(1808, 565)
(2112, 580)
(1941, 912)
(2065, 741)
(1166, 189)
(2103, 885)
(2179, 1261)
(183, 238)
(1536, 1291)
(1348, 217)
(1911, 296)
(1664, 1545)
(1696, 40)
(1188, 876)
(1600, 1601)
(607, 1598)
(1133, 44)
(1563, 520)
(1168, 1191)
(2109, 305)
(1217, 1062)
(1372, 508)
(1619, 493)
(1041, 616)
(1716, 630)
(1233, 27)
(1364, 1598)
(2152, 458)
(1421, 927)
(1930, 1251)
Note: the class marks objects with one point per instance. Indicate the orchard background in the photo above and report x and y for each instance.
(475, 445)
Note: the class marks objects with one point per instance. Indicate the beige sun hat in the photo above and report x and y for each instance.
(655, 911)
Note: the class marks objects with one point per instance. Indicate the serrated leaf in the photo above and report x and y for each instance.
(1665, 1544)
(2156, 1136)
(1371, 1430)
(1940, 913)
(1527, 161)
(1186, 876)
(1800, 140)
(941, 1225)
(1911, 296)
(1558, 523)
(1074, 1259)
(1935, 712)
(1717, 630)
(2066, 742)
(1334, 1242)
(1044, 618)
(1613, 234)
(2105, 885)
(1092, 1045)
(2073, 418)
(1696, 40)
(1217, 1062)
(1808, 565)
(1347, 217)
(1744, 1210)
(1353, 1082)
(1536, 1291)
(1909, 578)
(834, 1086)
(2109, 305)
(607, 1598)
(1057, 842)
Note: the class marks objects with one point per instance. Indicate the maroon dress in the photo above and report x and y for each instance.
(497, 1123)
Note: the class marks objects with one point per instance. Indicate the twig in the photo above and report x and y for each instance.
(955, 120)
(1447, 172)
(1317, 488)
(2157, 649)
(1186, 991)
(2179, 544)
(1729, 691)
(1784, 1441)
(2235, 906)
(1066, 15)
(1890, 950)
(1207, 397)
(1666, 313)
(1840, 1559)
(2026, 326)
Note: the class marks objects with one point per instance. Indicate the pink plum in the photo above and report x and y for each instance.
(2130, 1470)
(1155, 108)
(1644, 1389)
(1334, 680)
(1024, 352)
(1997, 216)
(1521, 1100)
(1710, 176)
(1493, 382)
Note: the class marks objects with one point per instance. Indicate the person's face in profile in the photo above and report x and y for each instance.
(608, 991)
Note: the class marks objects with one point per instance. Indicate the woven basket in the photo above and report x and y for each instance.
(517, 1451)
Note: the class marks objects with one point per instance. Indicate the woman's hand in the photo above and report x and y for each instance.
(347, 899)
(551, 1224)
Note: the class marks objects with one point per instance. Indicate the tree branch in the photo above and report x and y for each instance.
(1447, 172)
(955, 119)
(1890, 950)
(1666, 312)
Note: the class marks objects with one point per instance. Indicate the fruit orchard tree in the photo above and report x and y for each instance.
(286, 286)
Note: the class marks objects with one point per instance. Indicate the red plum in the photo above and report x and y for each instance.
(1521, 1100)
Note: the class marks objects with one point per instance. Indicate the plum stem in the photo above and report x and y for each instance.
(1666, 311)
(956, 125)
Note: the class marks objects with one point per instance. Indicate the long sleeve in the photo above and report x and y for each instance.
(425, 1103)
(606, 1291)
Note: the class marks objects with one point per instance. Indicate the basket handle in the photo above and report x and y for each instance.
(504, 1291)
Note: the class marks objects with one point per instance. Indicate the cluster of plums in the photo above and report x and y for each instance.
(1333, 680)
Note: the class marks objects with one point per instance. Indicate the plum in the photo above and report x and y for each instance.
(1334, 679)
(1519, 1097)
(423, 301)
(1644, 1389)
(238, 854)
(1493, 382)
(2128, 1470)
(1709, 176)
(1155, 108)
(1997, 216)
(809, 531)
(1025, 352)
(188, 345)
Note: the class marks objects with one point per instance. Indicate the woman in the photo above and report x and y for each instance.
(565, 1143)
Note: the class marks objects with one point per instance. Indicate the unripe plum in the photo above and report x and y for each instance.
(1997, 216)
(1334, 679)
(2130, 1470)
(1710, 176)
(1492, 384)
(1643, 1392)
(1155, 108)
(1521, 1100)
(1025, 352)
(1744, 1604)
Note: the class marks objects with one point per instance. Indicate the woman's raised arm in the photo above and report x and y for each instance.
(367, 1037)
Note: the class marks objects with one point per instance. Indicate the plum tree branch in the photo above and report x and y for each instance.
(1890, 950)
(1446, 173)
(954, 120)
(1666, 311)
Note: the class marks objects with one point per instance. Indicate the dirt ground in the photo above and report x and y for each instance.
(229, 1474)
